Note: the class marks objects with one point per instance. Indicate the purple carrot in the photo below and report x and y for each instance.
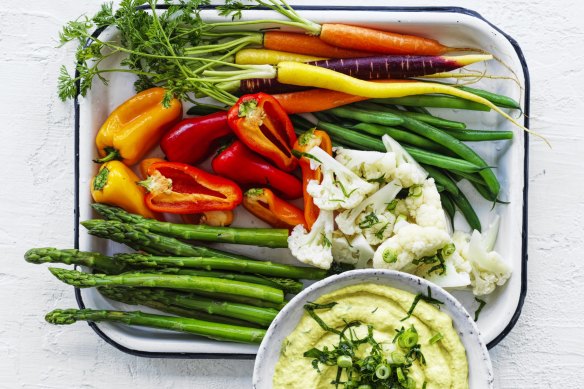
(373, 68)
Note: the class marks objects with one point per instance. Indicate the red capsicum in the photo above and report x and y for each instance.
(243, 166)
(194, 139)
(261, 123)
(305, 142)
(176, 187)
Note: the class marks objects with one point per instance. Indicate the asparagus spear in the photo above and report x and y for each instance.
(96, 261)
(211, 330)
(139, 238)
(288, 285)
(262, 316)
(213, 263)
(126, 296)
(243, 300)
(154, 280)
(267, 237)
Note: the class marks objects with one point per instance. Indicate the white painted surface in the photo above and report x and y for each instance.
(543, 351)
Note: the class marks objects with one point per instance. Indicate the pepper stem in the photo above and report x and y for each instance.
(112, 154)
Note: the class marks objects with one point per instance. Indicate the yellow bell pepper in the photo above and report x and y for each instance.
(136, 126)
(115, 184)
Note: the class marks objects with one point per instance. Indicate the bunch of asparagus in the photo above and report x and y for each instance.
(209, 292)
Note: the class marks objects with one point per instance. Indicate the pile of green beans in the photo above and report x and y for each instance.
(436, 143)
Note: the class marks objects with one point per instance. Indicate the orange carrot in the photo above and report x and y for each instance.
(314, 100)
(307, 45)
(377, 41)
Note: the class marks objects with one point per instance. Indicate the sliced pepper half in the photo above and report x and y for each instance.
(278, 213)
(261, 123)
(179, 188)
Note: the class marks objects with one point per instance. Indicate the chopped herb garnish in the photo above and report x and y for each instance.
(436, 338)
(345, 193)
(372, 370)
(379, 180)
(420, 296)
(379, 233)
(369, 221)
(324, 241)
(300, 154)
(482, 304)
(391, 205)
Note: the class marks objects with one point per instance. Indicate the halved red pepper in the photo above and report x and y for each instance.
(176, 187)
(308, 140)
(278, 213)
(243, 166)
(261, 123)
(194, 139)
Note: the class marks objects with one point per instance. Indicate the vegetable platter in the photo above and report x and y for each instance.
(453, 27)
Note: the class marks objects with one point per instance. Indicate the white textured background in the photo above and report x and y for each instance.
(546, 348)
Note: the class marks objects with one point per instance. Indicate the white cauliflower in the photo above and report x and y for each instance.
(372, 216)
(373, 166)
(425, 207)
(410, 242)
(340, 187)
(456, 270)
(355, 251)
(487, 268)
(408, 171)
(314, 247)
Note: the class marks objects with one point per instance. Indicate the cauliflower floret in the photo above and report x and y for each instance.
(340, 187)
(408, 171)
(487, 268)
(409, 243)
(456, 272)
(425, 207)
(355, 251)
(371, 216)
(370, 165)
(314, 247)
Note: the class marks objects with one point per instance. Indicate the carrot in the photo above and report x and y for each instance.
(307, 44)
(368, 39)
(271, 57)
(314, 100)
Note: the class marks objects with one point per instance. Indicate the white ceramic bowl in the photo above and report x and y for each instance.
(479, 362)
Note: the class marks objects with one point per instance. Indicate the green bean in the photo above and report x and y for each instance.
(418, 110)
(434, 101)
(361, 115)
(301, 124)
(442, 179)
(468, 212)
(457, 147)
(366, 142)
(376, 109)
(480, 135)
(499, 100)
(448, 205)
(401, 136)
(470, 177)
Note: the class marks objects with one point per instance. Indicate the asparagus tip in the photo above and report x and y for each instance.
(61, 316)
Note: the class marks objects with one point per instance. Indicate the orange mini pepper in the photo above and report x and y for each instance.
(261, 123)
(136, 126)
(115, 184)
(305, 142)
(278, 213)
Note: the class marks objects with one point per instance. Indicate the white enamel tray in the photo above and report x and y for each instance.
(451, 26)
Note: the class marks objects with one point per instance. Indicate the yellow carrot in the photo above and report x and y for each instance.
(302, 74)
(270, 57)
